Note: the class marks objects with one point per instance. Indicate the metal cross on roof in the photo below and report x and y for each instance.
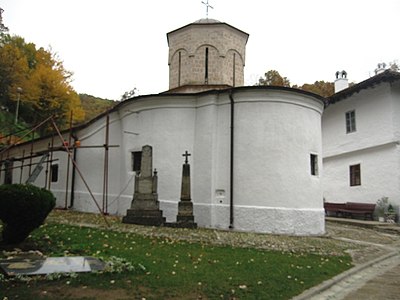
(207, 6)
(186, 154)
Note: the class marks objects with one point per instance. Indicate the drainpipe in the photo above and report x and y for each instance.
(231, 159)
(72, 200)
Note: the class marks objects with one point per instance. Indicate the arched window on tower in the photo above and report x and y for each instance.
(206, 67)
(179, 68)
(234, 70)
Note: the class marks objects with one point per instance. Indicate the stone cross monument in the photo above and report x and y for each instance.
(185, 216)
(145, 208)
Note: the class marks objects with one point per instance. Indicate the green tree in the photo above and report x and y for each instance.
(93, 106)
(273, 77)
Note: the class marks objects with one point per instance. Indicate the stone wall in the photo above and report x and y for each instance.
(188, 45)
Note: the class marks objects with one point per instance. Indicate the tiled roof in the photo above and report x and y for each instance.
(386, 76)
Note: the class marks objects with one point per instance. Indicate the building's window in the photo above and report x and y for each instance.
(314, 164)
(136, 160)
(206, 68)
(355, 175)
(54, 173)
(350, 121)
(8, 176)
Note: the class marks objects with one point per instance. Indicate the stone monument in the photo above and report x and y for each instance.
(145, 208)
(185, 216)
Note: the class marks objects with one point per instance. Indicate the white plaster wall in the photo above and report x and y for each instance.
(91, 162)
(395, 94)
(167, 124)
(275, 133)
(374, 145)
(374, 124)
(220, 201)
(266, 122)
(204, 154)
(379, 175)
(59, 157)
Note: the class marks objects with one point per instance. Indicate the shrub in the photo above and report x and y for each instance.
(22, 209)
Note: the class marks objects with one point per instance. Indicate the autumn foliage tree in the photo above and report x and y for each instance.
(43, 80)
(273, 77)
(321, 87)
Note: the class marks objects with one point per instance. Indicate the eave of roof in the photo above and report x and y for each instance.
(208, 24)
(386, 76)
(165, 95)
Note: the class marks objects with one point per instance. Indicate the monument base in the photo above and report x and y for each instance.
(185, 218)
(144, 217)
(182, 224)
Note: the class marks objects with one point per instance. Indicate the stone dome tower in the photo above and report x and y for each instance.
(205, 55)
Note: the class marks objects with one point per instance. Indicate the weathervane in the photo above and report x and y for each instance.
(207, 6)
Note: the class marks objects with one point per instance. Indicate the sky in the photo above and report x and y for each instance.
(113, 46)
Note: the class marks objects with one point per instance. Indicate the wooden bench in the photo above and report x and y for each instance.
(354, 208)
(349, 209)
(334, 207)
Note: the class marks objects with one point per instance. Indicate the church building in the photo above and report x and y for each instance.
(255, 151)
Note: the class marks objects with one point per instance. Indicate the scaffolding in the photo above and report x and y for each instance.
(47, 158)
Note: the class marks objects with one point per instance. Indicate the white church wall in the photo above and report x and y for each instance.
(58, 187)
(275, 133)
(220, 193)
(91, 162)
(167, 124)
(204, 157)
(28, 164)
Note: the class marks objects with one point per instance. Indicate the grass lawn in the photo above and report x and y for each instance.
(171, 266)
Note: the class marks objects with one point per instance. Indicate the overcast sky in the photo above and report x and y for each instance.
(112, 46)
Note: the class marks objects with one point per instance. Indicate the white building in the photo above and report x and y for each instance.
(256, 151)
(361, 138)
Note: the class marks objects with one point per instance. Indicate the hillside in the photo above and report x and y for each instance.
(9, 132)
(93, 106)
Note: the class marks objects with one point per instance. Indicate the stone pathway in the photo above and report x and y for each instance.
(376, 274)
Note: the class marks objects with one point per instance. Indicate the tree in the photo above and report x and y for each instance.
(129, 94)
(3, 28)
(322, 88)
(94, 106)
(273, 77)
(45, 84)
